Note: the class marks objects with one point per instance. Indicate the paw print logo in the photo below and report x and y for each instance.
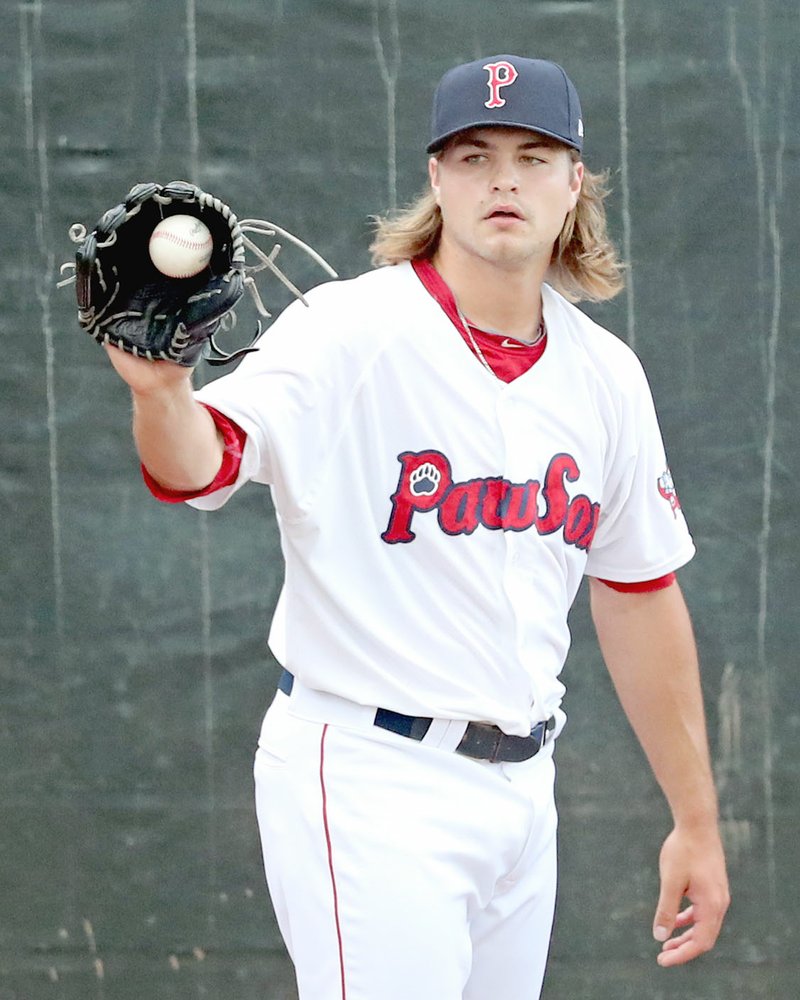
(424, 481)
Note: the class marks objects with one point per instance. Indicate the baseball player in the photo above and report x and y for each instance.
(451, 447)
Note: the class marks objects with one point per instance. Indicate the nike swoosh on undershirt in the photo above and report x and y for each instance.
(512, 343)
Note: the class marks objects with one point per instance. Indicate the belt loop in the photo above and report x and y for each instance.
(445, 734)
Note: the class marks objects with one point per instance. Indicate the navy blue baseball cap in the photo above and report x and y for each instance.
(511, 91)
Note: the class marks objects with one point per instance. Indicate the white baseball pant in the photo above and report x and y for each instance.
(399, 870)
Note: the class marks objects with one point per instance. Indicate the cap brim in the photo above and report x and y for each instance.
(442, 140)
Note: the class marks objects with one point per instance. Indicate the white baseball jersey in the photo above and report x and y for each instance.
(436, 522)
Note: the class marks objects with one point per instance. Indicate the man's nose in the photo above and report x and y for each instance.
(505, 177)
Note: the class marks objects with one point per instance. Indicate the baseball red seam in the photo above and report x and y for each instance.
(330, 859)
(180, 241)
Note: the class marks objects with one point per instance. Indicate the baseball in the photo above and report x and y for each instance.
(180, 246)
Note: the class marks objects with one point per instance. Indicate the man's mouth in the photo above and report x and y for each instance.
(504, 212)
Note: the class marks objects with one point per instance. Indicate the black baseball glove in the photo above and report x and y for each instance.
(125, 301)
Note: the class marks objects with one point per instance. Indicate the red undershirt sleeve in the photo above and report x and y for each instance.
(644, 586)
(233, 443)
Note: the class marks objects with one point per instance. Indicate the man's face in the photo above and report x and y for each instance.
(504, 194)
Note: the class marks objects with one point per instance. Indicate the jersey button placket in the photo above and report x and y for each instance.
(507, 416)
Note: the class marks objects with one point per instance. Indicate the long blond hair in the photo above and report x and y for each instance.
(584, 266)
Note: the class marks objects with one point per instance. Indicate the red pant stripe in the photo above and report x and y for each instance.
(330, 858)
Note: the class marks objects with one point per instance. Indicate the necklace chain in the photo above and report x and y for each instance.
(474, 344)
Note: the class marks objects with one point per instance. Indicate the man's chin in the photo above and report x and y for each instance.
(510, 255)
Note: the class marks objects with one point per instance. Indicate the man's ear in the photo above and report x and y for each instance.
(433, 176)
(577, 181)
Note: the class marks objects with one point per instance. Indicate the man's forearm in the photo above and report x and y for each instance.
(176, 438)
(649, 649)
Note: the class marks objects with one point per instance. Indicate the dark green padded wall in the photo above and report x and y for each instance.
(133, 669)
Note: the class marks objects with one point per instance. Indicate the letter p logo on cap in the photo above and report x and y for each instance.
(501, 74)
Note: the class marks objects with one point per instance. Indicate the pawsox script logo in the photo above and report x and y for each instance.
(426, 484)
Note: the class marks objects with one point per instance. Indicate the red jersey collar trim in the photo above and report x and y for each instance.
(507, 364)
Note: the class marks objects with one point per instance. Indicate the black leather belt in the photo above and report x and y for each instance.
(481, 740)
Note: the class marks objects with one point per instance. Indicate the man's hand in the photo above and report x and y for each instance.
(692, 866)
(146, 377)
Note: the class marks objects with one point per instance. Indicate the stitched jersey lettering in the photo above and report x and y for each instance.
(497, 504)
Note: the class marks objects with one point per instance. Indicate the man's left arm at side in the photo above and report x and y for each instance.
(649, 649)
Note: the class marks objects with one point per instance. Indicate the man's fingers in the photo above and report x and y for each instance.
(698, 938)
(667, 910)
(685, 947)
(679, 950)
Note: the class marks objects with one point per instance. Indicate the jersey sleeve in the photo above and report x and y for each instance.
(642, 533)
(290, 398)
